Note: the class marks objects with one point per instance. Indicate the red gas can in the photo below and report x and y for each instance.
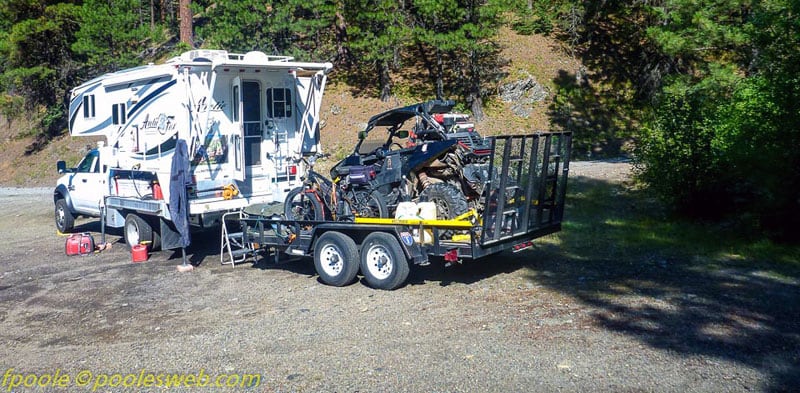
(139, 253)
(79, 244)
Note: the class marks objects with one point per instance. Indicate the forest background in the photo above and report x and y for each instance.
(703, 96)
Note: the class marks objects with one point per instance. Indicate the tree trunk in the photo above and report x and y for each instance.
(474, 98)
(385, 81)
(439, 75)
(185, 15)
(340, 28)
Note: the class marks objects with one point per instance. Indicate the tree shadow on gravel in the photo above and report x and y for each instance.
(468, 272)
(686, 288)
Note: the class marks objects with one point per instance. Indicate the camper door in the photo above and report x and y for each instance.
(237, 138)
(280, 123)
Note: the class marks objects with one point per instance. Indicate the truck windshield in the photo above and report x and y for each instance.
(89, 163)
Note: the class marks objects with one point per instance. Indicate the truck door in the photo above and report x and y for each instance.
(86, 186)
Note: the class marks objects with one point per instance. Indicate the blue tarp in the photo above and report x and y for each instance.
(180, 177)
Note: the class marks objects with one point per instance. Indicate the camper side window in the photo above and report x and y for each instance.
(88, 106)
(235, 107)
(118, 114)
(279, 103)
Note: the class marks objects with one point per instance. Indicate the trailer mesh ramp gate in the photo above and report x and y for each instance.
(528, 182)
(523, 198)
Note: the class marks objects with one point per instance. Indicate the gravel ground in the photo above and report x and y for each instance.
(511, 323)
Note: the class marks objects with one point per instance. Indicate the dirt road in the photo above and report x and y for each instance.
(514, 323)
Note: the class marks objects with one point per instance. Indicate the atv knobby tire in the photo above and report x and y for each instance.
(450, 203)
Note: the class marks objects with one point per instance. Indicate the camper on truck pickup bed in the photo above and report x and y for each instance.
(242, 117)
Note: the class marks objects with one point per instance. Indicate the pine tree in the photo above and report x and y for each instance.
(376, 32)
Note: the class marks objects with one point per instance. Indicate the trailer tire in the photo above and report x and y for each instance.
(65, 221)
(336, 259)
(383, 262)
(302, 206)
(137, 230)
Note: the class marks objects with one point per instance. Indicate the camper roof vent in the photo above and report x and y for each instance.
(204, 55)
(256, 57)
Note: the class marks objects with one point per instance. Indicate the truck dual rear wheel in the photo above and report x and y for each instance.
(137, 230)
(335, 259)
(383, 262)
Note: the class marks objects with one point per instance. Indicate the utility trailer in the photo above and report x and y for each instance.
(525, 196)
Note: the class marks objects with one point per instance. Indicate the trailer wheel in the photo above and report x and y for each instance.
(383, 262)
(302, 205)
(64, 218)
(137, 230)
(335, 259)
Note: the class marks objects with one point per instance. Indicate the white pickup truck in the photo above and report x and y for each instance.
(80, 190)
(83, 190)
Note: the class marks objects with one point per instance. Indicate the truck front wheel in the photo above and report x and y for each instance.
(137, 231)
(65, 221)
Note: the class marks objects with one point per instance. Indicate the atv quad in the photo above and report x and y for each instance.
(422, 152)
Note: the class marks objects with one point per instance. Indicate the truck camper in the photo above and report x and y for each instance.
(242, 118)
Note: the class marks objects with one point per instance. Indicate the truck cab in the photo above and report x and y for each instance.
(80, 191)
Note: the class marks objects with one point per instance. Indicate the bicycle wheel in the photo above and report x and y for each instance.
(303, 206)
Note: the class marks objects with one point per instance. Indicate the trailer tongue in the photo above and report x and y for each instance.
(524, 200)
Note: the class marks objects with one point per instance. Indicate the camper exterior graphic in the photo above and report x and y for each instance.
(242, 117)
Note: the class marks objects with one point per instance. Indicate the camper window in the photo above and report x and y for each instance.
(88, 106)
(279, 103)
(118, 114)
(235, 107)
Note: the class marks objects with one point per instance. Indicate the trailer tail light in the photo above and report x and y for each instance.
(451, 256)
(522, 246)
(292, 170)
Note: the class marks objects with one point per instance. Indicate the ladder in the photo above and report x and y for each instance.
(236, 247)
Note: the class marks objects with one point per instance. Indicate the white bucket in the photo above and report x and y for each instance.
(406, 211)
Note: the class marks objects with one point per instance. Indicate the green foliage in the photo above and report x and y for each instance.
(294, 27)
(111, 35)
(680, 160)
(723, 139)
(455, 42)
(11, 106)
(535, 17)
(376, 34)
(37, 56)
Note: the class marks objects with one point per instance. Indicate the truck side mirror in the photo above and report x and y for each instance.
(61, 166)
